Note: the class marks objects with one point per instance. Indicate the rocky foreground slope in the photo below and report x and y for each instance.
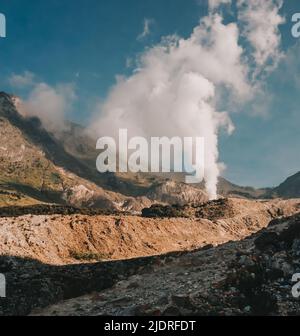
(249, 277)
(52, 258)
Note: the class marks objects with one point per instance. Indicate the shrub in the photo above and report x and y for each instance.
(161, 211)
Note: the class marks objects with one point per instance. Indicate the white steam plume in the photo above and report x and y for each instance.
(172, 93)
(49, 104)
(260, 22)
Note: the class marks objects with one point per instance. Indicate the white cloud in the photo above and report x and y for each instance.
(259, 21)
(146, 29)
(214, 4)
(23, 80)
(259, 24)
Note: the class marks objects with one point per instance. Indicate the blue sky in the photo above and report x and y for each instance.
(89, 42)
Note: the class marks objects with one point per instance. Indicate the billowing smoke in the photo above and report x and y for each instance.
(50, 104)
(174, 90)
(260, 22)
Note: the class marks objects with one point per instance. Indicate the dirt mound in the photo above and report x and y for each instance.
(221, 208)
(73, 238)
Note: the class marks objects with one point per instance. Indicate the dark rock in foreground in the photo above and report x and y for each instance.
(49, 209)
(250, 277)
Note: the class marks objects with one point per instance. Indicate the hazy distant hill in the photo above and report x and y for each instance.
(290, 188)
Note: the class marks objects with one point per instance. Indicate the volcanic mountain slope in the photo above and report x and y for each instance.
(38, 166)
(35, 168)
(163, 187)
(79, 143)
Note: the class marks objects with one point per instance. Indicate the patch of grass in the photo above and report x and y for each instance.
(55, 178)
(88, 256)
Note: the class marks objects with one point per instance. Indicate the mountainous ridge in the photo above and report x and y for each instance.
(33, 163)
(289, 188)
(38, 167)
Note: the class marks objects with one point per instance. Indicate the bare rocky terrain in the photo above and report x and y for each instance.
(249, 277)
(61, 239)
(120, 264)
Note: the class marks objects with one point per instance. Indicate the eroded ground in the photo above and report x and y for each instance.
(63, 239)
(220, 261)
